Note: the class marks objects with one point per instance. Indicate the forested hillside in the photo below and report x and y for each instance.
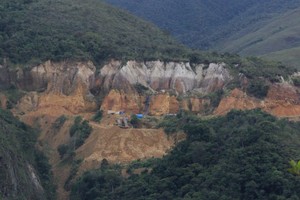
(243, 155)
(37, 30)
(24, 171)
(246, 27)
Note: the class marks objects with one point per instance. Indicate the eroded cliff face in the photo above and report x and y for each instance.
(67, 87)
(62, 88)
(159, 104)
(178, 77)
(238, 100)
(283, 100)
(159, 78)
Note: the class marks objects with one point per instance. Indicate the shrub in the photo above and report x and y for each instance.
(80, 131)
(141, 89)
(62, 150)
(59, 122)
(258, 88)
(134, 121)
(98, 116)
(216, 97)
(75, 126)
(296, 81)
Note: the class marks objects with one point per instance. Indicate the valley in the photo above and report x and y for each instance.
(249, 28)
(96, 103)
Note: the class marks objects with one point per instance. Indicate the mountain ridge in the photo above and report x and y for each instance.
(244, 27)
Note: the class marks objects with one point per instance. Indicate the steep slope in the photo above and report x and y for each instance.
(67, 89)
(24, 172)
(38, 30)
(205, 24)
(243, 155)
(76, 87)
(289, 56)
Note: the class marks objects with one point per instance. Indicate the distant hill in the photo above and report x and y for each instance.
(278, 40)
(247, 27)
(32, 31)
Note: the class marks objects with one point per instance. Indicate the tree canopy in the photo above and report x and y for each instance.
(243, 155)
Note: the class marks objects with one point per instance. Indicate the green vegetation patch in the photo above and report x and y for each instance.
(98, 116)
(59, 122)
(258, 88)
(17, 153)
(38, 30)
(79, 132)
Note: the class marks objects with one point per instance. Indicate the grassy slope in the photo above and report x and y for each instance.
(37, 30)
(278, 40)
(251, 27)
(288, 56)
(204, 24)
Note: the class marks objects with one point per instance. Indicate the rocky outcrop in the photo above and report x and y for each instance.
(179, 77)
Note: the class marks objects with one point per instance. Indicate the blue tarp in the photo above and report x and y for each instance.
(139, 116)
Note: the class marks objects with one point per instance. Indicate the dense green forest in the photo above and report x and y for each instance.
(32, 31)
(18, 157)
(243, 155)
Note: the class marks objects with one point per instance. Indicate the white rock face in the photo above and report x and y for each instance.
(177, 76)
